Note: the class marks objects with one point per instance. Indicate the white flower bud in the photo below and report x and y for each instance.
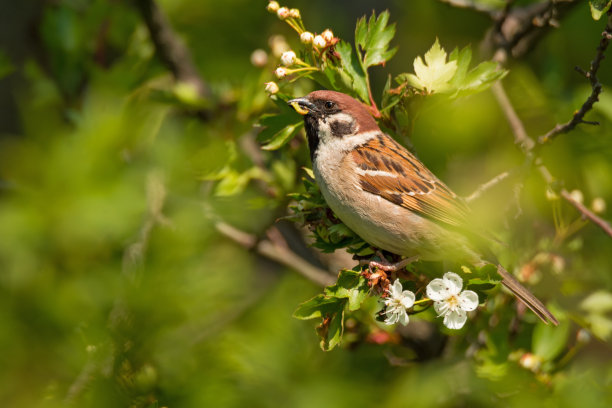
(306, 37)
(577, 196)
(294, 13)
(319, 42)
(271, 88)
(280, 72)
(273, 7)
(259, 58)
(530, 362)
(598, 205)
(288, 58)
(328, 36)
(282, 13)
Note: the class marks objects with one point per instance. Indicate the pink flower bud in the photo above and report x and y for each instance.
(273, 7)
(306, 37)
(271, 88)
(319, 42)
(282, 13)
(280, 72)
(328, 36)
(288, 58)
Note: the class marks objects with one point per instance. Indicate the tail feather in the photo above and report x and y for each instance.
(526, 297)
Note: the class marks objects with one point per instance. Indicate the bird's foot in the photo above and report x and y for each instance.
(387, 266)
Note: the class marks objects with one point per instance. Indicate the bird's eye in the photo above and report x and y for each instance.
(329, 105)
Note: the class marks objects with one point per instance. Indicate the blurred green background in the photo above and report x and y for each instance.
(115, 288)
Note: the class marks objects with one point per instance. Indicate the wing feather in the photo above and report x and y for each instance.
(387, 169)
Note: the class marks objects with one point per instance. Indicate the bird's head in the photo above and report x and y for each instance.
(330, 115)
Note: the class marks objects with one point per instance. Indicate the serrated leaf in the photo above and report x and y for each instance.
(374, 37)
(352, 67)
(463, 58)
(549, 341)
(435, 73)
(479, 79)
(350, 285)
(599, 8)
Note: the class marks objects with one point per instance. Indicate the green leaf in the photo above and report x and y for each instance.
(479, 79)
(331, 330)
(282, 137)
(350, 285)
(374, 37)
(599, 8)
(549, 341)
(318, 306)
(435, 74)
(352, 67)
(463, 59)
(598, 302)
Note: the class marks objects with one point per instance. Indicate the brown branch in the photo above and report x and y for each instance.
(596, 88)
(586, 213)
(170, 49)
(276, 249)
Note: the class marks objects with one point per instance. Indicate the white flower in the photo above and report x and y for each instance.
(306, 37)
(328, 36)
(294, 13)
(288, 58)
(397, 303)
(271, 88)
(282, 13)
(273, 7)
(319, 41)
(280, 72)
(449, 301)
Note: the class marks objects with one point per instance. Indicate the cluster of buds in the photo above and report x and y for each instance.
(289, 61)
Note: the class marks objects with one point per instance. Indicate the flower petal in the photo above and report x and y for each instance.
(396, 289)
(403, 317)
(392, 317)
(437, 290)
(441, 308)
(454, 282)
(407, 299)
(468, 300)
(455, 320)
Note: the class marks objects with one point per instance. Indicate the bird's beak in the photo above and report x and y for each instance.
(302, 105)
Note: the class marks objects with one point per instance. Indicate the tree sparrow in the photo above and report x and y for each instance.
(385, 194)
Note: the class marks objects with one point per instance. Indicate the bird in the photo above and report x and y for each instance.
(386, 195)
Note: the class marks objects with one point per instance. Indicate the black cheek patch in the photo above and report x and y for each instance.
(341, 128)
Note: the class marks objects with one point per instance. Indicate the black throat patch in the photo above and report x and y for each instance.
(311, 124)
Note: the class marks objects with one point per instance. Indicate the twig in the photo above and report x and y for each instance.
(486, 186)
(525, 140)
(596, 88)
(170, 48)
(278, 251)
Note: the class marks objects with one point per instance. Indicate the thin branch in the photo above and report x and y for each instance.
(525, 140)
(170, 48)
(605, 226)
(596, 88)
(277, 250)
(486, 186)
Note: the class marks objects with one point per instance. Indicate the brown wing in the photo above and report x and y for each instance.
(409, 183)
